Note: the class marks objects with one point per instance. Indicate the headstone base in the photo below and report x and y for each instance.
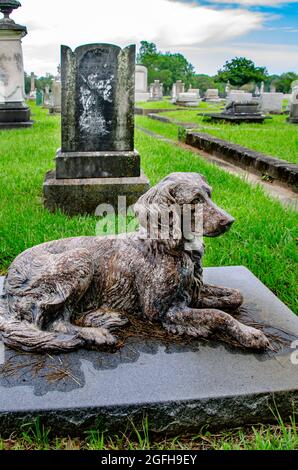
(71, 165)
(142, 97)
(55, 110)
(83, 196)
(179, 387)
(293, 120)
(13, 116)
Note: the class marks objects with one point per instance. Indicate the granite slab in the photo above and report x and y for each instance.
(180, 387)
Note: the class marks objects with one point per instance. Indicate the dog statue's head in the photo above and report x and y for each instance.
(179, 194)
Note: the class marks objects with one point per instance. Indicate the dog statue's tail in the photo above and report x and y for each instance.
(24, 336)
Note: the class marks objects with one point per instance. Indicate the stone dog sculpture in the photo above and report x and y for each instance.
(72, 293)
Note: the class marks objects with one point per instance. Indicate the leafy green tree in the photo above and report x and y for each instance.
(165, 67)
(240, 71)
(203, 82)
(283, 82)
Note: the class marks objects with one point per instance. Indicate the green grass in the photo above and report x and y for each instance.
(165, 104)
(275, 137)
(263, 238)
(270, 437)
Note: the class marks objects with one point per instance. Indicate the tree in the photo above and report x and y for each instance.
(240, 71)
(166, 67)
(283, 82)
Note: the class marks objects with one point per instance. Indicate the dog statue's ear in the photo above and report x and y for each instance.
(158, 212)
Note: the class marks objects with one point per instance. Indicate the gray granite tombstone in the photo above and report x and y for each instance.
(14, 112)
(178, 386)
(97, 161)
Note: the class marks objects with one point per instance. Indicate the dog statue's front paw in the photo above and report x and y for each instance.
(97, 337)
(253, 339)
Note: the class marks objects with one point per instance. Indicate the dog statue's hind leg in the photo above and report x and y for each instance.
(207, 322)
(219, 298)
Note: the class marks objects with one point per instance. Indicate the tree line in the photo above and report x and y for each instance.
(240, 72)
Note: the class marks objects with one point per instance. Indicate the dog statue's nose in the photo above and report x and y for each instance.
(227, 222)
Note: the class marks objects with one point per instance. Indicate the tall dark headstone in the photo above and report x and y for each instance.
(13, 110)
(97, 161)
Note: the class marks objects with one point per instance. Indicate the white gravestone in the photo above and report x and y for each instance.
(294, 106)
(188, 99)
(212, 95)
(141, 86)
(156, 92)
(271, 102)
(13, 110)
(239, 96)
(177, 88)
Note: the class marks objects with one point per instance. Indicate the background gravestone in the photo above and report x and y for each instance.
(97, 161)
(13, 110)
(141, 91)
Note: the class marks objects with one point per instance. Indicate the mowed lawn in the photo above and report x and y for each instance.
(276, 137)
(263, 239)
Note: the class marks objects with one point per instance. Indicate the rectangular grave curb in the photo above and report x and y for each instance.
(256, 162)
(146, 111)
(157, 117)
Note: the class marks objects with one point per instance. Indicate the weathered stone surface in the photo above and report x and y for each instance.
(293, 118)
(179, 387)
(98, 98)
(97, 164)
(141, 84)
(271, 102)
(82, 196)
(13, 111)
(282, 171)
(238, 96)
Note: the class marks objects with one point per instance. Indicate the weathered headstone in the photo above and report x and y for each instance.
(13, 110)
(32, 94)
(46, 97)
(177, 88)
(97, 162)
(238, 96)
(271, 102)
(262, 89)
(189, 99)
(39, 97)
(212, 95)
(293, 118)
(55, 101)
(141, 87)
(156, 91)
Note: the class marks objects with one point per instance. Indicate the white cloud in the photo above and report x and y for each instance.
(264, 3)
(169, 24)
(278, 58)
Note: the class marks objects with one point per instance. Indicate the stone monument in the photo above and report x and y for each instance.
(32, 94)
(177, 88)
(156, 92)
(238, 96)
(39, 97)
(237, 112)
(189, 99)
(141, 91)
(212, 96)
(55, 101)
(13, 110)
(46, 97)
(97, 161)
(293, 118)
(262, 89)
(271, 102)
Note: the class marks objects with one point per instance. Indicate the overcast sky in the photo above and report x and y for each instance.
(207, 32)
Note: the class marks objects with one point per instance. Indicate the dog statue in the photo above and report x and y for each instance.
(72, 293)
